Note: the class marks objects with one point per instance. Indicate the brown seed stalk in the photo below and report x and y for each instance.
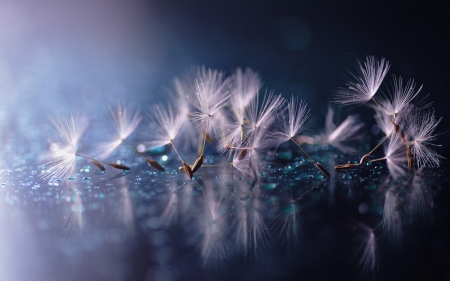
(322, 169)
(197, 164)
(187, 170)
(208, 138)
(242, 154)
(155, 164)
(343, 166)
(119, 166)
(99, 165)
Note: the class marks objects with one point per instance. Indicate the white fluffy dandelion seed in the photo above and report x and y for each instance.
(64, 155)
(245, 87)
(336, 135)
(292, 120)
(125, 120)
(263, 115)
(420, 133)
(384, 122)
(364, 85)
(209, 95)
(395, 156)
(399, 97)
(167, 124)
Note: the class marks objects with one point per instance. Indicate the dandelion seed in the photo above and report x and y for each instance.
(420, 133)
(245, 86)
(264, 114)
(364, 85)
(399, 97)
(167, 125)
(395, 156)
(292, 123)
(125, 121)
(99, 165)
(187, 170)
(120, 166)
(197, 164)
(155, 165)
(208, 96)
(64, 155)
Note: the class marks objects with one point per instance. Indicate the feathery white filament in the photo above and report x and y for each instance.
(365, 84)
(64, 155)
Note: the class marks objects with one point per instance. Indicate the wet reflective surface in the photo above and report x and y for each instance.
(150, 225)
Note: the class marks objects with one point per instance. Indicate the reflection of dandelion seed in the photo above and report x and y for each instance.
(366, 251)
(216, 247)
(419, 199)
(392, 222)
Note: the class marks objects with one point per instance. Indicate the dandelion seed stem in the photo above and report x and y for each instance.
(204, 136)
(135, 150)
(379, 159)
(318, 166)
(377, 104)
(173, 145)
(378, 145)
(301, 148)
(218, 165)
(92, 159)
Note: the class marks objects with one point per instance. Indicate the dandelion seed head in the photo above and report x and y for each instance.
(63, 156)
(420, 131)
(365, 84)
(167, 125)
(399, 97)
(293, 118)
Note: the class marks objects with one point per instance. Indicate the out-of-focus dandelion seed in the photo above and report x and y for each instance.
(366, 252)
(392, 222)
(364, 85)
(335, 135)
(263, 115)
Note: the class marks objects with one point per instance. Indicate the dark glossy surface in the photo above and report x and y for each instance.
(64, 58)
